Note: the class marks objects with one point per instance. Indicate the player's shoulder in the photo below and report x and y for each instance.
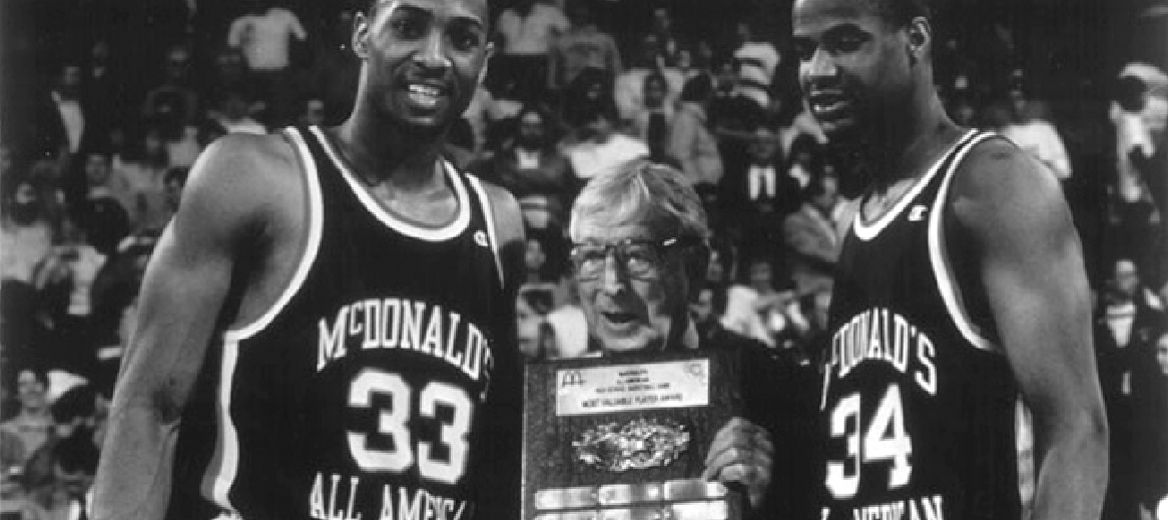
(506, 210)
(240, 175)
(996, 169)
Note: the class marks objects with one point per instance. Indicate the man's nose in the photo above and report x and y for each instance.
(821, 65)
(432, 55)
(612, 280)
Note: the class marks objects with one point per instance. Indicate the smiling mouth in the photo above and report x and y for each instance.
(425, 96)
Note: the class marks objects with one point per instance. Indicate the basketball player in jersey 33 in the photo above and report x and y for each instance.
(960, 287)
(327, 326)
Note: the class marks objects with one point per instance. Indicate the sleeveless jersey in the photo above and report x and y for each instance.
(918, 402)
(360, 393)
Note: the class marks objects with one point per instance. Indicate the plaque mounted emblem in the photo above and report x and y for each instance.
(626, 437)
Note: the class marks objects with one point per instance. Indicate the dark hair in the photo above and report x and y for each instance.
(76, 402)
(1129, 93)
(901, 12)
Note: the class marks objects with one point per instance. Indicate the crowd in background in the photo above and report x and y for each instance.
(115, 100)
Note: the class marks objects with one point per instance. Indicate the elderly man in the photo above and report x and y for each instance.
(639, 252)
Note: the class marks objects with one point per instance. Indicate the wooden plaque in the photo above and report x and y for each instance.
(626, 437)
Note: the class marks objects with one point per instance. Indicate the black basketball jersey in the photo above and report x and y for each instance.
(360, 392)
(918, 401)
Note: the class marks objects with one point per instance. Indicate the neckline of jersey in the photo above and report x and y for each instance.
(869, 230)
(391, 220)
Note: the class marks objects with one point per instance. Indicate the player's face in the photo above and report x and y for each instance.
(423, 58)
(853, 65)
(628, 313)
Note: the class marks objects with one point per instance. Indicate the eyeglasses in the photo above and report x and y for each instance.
(640, 259)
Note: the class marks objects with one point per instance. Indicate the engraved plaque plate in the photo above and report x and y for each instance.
(625, 438)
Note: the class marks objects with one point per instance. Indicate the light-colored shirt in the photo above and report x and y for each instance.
(264, 38)
(72, 118)
(758, 61)
(533, 34)
(590, 158)
(1040, 139)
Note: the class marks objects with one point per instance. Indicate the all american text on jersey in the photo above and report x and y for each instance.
(401, 323)
(919, 508)
(879, 335)
(333, 497)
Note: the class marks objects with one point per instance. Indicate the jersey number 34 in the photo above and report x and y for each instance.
(392, 423)
(884, 439)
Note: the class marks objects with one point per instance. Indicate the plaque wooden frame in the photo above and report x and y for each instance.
(550, 462)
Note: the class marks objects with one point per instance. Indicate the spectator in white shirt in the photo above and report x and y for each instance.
(66, 95)
(265, 37)
(527, 31)
(598, 149)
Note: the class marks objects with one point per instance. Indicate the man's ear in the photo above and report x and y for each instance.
(920, 38)
(360, 35)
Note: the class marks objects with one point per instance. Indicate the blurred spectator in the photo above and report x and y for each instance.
(568, 324)
(733, 117)
(1130, 321)
(33, 424)
(757, 60)
(532, 167)
(653, 121)
(812, 244)
(690, 141)
(527, 33)
(175, 97)
(102, 92)
(105, 219)
(1150, 446)
(669, 45)
(596, 148)
(142, 176)
(630, 85)
(264, 35)
(1138, 112)
(758, 194)
(1031, 129)
(67, 97)
(583, 46)
(234, 114)
(64, 281)
(26, 231)
(746, 301)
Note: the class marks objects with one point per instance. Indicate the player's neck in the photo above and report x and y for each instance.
(907, 150)
(384, 151)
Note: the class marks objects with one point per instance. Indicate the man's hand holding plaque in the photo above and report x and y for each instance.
(742, 453)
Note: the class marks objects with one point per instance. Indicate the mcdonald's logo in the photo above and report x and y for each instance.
(572, 378)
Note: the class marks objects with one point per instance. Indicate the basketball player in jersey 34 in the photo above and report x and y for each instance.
(326, 328)
(960, 287)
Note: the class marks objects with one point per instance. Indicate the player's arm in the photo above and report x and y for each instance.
(500, 491)
(1031, 267)
(185, 286)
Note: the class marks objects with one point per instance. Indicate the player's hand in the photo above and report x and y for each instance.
(742, 452)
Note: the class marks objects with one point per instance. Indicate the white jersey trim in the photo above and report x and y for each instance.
(224, 467)
(943, 268)
(865, 231)
(489, 217)
(446, 232)
(307, 258)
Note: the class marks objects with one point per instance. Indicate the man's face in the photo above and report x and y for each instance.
(654, 93)
(1126, 279)
(854, 67)
(97, 169)
(627, 313)
(530, 130)
(70, 80)
(30, 390)
(423, 58)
